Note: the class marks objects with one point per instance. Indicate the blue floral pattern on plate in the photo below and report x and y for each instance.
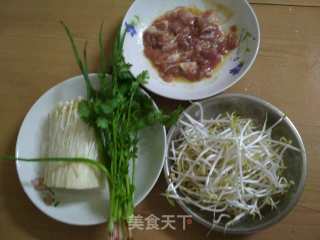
(237, 69)
(130, 29)
(131, 26)
(243, 49)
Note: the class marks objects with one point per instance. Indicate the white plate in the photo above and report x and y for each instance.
(86, 207)
(143, 12)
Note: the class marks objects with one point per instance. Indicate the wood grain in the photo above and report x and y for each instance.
(306, 3)
(35, 55)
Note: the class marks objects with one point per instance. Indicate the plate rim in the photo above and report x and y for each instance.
(19, 174)
(213, 93)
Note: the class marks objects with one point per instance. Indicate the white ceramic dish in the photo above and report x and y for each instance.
(86, 207)
(142, 13)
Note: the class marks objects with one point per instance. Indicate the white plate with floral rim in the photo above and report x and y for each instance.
(80, 207)
(141, 15)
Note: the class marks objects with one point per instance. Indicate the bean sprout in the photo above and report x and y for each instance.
(227, 166)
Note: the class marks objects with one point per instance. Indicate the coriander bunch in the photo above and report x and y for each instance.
(117, 111)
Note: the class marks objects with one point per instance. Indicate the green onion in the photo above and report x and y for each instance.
(117, 117)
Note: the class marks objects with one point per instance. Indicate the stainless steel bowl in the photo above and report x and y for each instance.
(296, 162)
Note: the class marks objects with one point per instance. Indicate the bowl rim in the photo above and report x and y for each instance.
(293, 201)
(213, 93)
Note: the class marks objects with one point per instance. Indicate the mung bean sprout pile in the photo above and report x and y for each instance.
(227, 166)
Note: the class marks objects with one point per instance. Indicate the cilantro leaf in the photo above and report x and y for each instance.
(84, 109)
(102, 123)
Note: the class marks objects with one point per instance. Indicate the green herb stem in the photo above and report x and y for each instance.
(87, 161)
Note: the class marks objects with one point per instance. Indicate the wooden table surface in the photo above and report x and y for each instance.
(35, 55)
